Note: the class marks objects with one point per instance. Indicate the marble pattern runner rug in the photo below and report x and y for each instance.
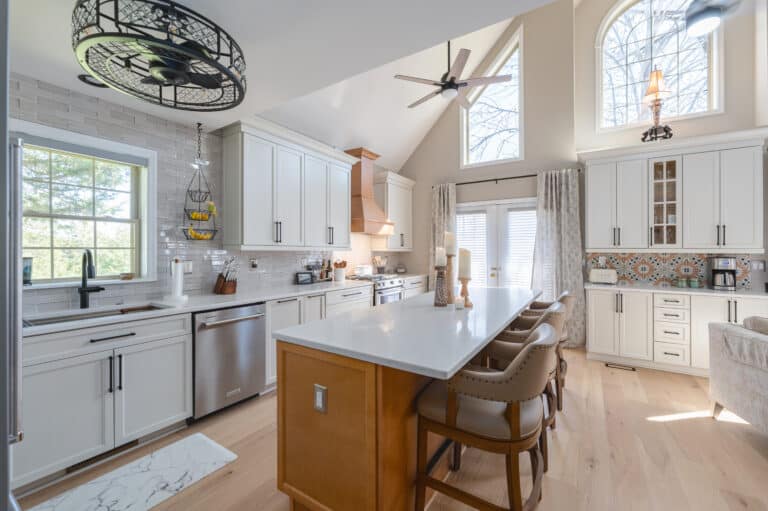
(144, 483)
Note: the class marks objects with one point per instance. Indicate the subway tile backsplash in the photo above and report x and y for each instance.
(47, 104)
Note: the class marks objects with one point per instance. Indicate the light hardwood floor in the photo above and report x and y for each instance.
(626, 440)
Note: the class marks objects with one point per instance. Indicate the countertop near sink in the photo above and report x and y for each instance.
(752, 293)
(196, 303)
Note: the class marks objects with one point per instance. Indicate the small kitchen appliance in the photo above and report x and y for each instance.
(723, 271)
(603, 276)
(304, 277)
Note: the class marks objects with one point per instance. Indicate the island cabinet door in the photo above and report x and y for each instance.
(153, 387)
(280, 314)
(75, 397)
(602, 322)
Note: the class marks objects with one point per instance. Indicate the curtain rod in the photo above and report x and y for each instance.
(497, 179)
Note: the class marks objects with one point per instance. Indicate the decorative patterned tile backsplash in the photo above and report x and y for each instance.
(664, 269)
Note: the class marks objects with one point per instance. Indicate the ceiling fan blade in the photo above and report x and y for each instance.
(426, 98)
(206, 81)
(425, 81)
(458, 65)
(485, 80)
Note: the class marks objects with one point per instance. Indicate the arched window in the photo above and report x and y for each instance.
(641, 35)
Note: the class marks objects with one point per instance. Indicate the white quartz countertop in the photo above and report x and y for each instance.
(196, 303)
(751, 293)
(413, 335)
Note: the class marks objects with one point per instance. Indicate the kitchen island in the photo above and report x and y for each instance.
(347, 388)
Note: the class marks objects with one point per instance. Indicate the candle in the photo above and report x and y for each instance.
(465, 264)
(440, 258)
(450, 243)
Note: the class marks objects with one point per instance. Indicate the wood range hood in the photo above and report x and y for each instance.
(367, 216)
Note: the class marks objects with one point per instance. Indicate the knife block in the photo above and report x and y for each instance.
(224, 287)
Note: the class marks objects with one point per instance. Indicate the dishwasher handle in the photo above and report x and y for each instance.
(211, 324)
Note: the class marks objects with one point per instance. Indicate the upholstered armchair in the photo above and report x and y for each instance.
(738, 370)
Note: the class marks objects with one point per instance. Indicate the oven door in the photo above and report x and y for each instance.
(389, 295)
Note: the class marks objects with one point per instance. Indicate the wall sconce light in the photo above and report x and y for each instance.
(653, 96)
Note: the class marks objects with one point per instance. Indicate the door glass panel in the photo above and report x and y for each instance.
(516, 245)
(671, 191)
(658, 171)
(664, 218)
(471, 229)
(658, 192)
(658, 214)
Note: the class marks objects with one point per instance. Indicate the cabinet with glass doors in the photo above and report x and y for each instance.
(666, 202)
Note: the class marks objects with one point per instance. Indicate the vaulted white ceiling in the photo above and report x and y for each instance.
(292, 47)
(371, 109)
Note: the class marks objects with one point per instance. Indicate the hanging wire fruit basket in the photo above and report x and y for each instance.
(199, 208)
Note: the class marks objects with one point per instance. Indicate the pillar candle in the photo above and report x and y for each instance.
(440, 259)
(450, 243)
(465, 264)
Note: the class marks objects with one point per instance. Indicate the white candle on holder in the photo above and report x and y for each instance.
(450, 243)
(465, 264)
(440, 258)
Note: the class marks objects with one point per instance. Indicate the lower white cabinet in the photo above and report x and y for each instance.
(312, 308)
(67, 408)
(347, 300)
(152, 387)
(620, 324)
(341, 308)
(415, 286)
(79, 407)
(280, 314)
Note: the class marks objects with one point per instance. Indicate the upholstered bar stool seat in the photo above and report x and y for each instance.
(479, 416)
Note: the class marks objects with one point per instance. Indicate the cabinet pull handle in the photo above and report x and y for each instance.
(718, 235)
(280, 230)
(333, 236)
(614, 237)
(120, 376)
(277, 235)
(729, 311)
(229, 321)
(111, 388)
(352, 294)
(287, 300)
(735, 311)
(402, 242)
(616, 303)
(666, 300)
(113, 337)
(672, 354)
(723, 234)
(621, 302)
(669, 332)
(650, 236)
(671, 315)
(619, 229)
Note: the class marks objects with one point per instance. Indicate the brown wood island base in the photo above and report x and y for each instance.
(360, 453)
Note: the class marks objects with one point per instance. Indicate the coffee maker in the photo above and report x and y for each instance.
(723, 276)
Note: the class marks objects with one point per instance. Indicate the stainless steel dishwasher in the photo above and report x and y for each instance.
(229, 356)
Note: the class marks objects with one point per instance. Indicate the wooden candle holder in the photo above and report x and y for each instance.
(441, 294)
(465, 292)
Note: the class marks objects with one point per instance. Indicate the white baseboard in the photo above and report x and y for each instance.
(648, 364)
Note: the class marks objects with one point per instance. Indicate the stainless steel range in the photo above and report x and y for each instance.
(387, 288)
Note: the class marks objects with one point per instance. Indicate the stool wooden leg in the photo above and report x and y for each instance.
(421, 467)
(538, 475)
(549, 395)
(543, 443)
(456, 461)
(513, 483)
(560, 383)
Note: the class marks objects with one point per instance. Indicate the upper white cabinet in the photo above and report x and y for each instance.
(688, 197)
(283, 191)
(617, 205)
(394, 194)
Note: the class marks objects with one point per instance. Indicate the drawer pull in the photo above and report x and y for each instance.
(671, 301)
(113, 337)
(671, 333)
(352, 294)
(672, 354)
(671, 315)
(287, 300)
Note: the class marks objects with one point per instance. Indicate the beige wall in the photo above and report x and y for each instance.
(739, 80)
(548, 126)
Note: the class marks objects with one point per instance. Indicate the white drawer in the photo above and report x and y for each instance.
(667, 353)
(47, 347)
(671, 315)
(672, 332)
(416, 282)
(349, 295)
(670, 300)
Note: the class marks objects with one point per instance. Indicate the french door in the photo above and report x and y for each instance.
(501, 237)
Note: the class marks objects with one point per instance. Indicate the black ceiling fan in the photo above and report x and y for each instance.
(450, 84)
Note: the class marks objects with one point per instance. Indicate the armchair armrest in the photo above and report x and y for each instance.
(524, 322)
(516, 336)
(540, 305)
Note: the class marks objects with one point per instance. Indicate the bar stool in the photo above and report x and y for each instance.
(496, 411)
(538, 308)
(513, 342)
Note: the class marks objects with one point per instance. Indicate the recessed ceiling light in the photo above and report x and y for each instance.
(90, 80)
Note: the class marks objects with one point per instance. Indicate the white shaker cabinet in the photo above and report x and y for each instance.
(74, 394)
(280, 314)
(152, 387)
(620, 324)
(741, 198)
(701, 207)
(312, 308)
(706, 310)
(394, 194)
(617, 205)
(283, 191)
